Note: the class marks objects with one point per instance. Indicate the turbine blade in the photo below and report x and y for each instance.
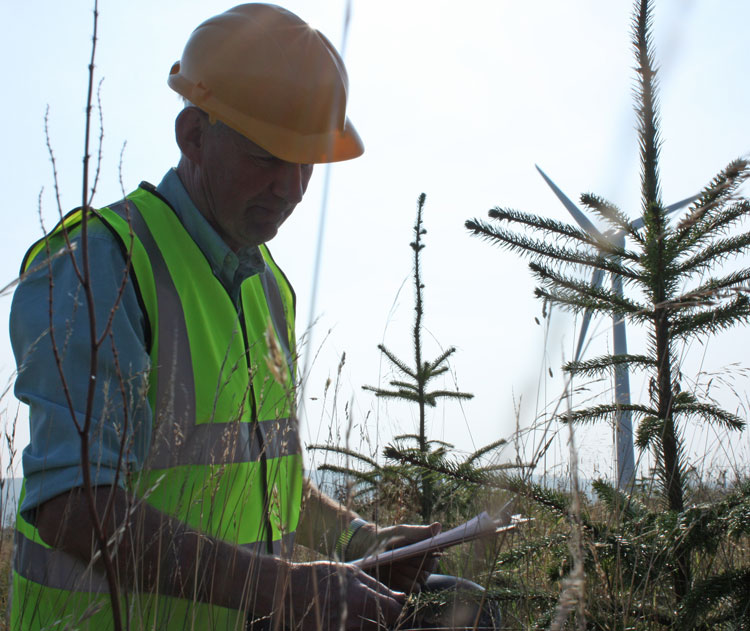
(681, 204)
(578, 215)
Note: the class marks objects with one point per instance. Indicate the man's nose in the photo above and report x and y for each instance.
(290, 181)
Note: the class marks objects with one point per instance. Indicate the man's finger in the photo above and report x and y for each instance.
(376, 586)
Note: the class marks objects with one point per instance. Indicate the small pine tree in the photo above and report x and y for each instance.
(675, 268)
(414, 381)
(418, 471)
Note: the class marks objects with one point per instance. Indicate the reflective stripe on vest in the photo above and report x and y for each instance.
(225, 451)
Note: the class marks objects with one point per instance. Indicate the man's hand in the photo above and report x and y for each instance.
(407, 575)
(322, 592)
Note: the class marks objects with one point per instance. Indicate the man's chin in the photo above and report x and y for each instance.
(262, 234)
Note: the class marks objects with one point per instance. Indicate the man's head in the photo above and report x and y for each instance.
(244, 191)
(267, 99)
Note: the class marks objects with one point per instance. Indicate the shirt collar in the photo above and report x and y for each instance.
(229, 267)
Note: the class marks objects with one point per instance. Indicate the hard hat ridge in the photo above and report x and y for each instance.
(270, 76)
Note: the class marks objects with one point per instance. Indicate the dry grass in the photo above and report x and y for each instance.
(6, 553)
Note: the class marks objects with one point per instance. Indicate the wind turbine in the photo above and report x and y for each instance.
(623, 421)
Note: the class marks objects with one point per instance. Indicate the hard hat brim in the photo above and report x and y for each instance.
(334, 145)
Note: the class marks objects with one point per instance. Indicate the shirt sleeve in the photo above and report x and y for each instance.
(49, 327)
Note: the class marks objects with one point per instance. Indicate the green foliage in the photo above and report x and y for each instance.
(460, 488)
(678, 292)
(719, 602)
(629, 545)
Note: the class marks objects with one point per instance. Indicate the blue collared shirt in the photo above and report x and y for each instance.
(52, 383)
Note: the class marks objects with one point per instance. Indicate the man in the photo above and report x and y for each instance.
(155, 344)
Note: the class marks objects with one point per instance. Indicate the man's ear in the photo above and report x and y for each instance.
(190, 127)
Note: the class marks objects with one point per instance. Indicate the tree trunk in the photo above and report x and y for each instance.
(670, 454)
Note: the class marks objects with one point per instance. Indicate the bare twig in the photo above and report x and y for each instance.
(101, 141)
(95, 343)
(119, 170)
(56, 182)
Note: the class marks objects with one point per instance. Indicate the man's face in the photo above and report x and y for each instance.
(248, 192)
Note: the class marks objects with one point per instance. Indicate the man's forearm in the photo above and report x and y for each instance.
(157, 552)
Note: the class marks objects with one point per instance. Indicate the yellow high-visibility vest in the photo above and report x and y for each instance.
(225, 454)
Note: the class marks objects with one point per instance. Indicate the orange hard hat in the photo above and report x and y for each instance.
(265, 73)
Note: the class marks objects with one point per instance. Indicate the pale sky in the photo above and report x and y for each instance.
(457, 100)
